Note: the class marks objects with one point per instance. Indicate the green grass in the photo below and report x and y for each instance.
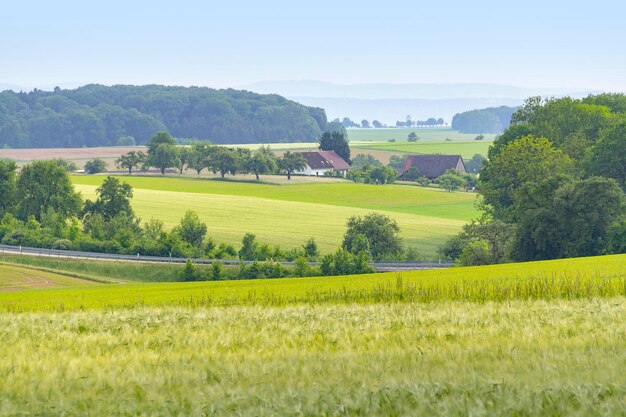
(289, 215)
(466, 149)
(103, 270)
(522, 358)
(569, 278)
(426, 134)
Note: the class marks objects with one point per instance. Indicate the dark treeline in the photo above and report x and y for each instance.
(490, 120)
(96, 115)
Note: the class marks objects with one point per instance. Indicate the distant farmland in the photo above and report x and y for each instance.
(289, 214)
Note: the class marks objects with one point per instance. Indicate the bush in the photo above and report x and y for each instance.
(95, 166)
(63, 244)
(126, 141)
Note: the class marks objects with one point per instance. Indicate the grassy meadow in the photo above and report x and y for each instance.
(426, 134)
(290, 214)
(534, 339)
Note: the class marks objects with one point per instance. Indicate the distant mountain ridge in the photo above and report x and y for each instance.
(388, 103)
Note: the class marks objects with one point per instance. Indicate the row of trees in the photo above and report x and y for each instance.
(430, 122)
(553, 185)
(96, 115)
(163, 154)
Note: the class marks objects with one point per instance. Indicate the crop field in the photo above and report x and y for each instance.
(535, 339)
(570, 279)
(290, 214)
(425, 134)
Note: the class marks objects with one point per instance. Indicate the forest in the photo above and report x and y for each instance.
(489, 120)
(97, 115)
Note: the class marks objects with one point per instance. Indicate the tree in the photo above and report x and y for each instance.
(113, 198)
(44, 185)
(522, 161)
(412, 137)
(262, 161)
(95, 166)
(398, 162)
(249, 248)
(161, 138)
(364, 161)
(223, 160)
(191, 229)
(567, 218)
(185, 157)
(377, 124)
(200, 154)
(131, 160)
(365, 123)
(311, 251)
(381, 175)
(608, 157)
(162, 152)
(163, 157)
(336, 141)
(7, 186)
(292, 162)
(451, 180)
(473, 165)
(126, 141)
(381, 232)
(69, 166)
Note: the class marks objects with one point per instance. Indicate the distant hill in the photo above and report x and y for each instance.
(96, 115)
(489, 120)
(390, 102)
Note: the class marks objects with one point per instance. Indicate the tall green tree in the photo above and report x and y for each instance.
(113, 198)
(336, 141)
(44, 185)
(200, 154)
(223, 160)
(260, 162)
(165, 156)
(191, 229)
(381, 231)
(292, 162)
(524, 160)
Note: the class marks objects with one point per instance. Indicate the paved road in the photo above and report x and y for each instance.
(55, 253)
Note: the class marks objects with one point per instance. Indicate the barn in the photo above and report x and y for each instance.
(320, 162)
(433, 166)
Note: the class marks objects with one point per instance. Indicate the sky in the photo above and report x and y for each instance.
(532, 44)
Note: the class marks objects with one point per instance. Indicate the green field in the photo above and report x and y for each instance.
(466, 149)
(426, 134)
(534, 339)
(290, 214)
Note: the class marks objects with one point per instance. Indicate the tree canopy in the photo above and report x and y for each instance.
(97, 115)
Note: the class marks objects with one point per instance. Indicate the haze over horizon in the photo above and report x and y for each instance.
(537, 45)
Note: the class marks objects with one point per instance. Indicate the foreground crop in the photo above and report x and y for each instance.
(452, 358)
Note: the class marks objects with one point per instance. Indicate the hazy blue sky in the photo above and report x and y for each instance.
(229, 43)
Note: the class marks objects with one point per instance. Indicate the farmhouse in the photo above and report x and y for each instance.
(433, 166)
(320, 162)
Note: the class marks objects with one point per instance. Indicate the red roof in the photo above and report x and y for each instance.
(324, 160)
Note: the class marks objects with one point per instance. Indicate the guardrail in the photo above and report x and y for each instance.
(70, 254)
